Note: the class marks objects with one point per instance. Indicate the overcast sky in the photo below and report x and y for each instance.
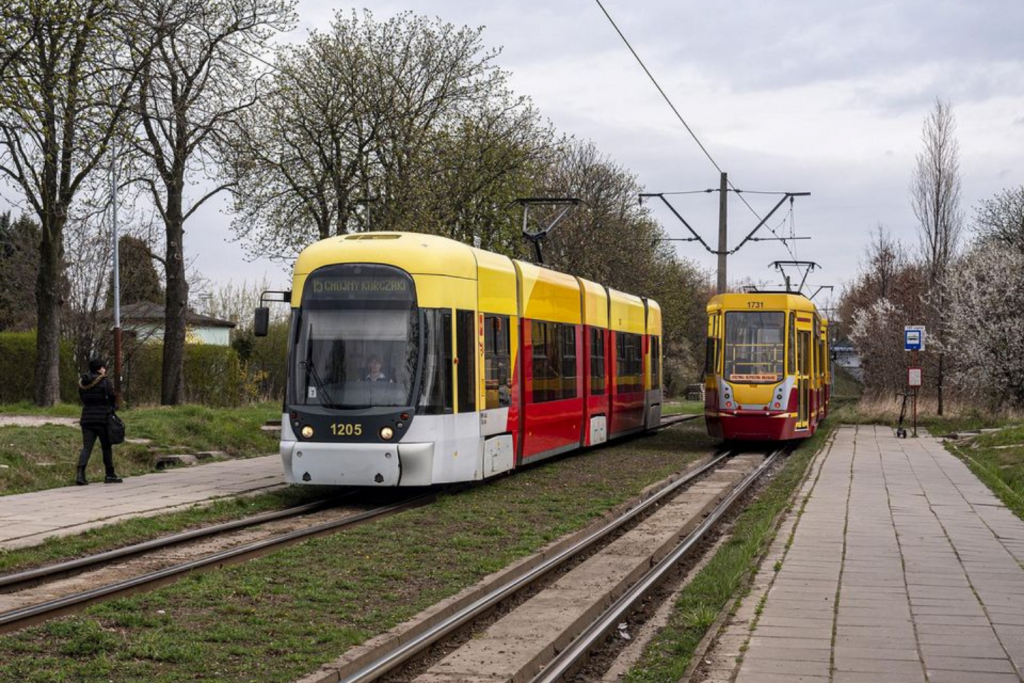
(808, 95)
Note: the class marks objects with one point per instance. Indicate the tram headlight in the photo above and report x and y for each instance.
(387, 433)
(307, 432)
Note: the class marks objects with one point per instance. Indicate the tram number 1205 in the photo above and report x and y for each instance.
(755, 304)
(346, 429)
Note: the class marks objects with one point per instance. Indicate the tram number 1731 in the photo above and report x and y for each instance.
(755, 304)
(346, 429)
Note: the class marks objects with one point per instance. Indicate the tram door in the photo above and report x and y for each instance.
(803, 378)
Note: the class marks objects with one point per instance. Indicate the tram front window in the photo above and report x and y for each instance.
(754, 346)
(357, 339)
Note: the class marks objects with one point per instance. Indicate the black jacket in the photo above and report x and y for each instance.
(98, 399)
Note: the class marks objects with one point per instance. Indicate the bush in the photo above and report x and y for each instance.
(18, 363)
(213, 375)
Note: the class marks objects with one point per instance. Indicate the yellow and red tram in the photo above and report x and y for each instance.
(417, 360)
(767, 375)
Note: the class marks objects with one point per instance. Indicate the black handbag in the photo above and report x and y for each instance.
(115, 429)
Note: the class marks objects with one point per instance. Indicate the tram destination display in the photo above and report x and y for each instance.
(360, 283)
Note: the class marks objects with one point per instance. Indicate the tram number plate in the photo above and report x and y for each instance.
(755, 304)
(346, 429)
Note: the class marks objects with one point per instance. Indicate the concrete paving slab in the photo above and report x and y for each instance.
(29, 518)
(906, 556)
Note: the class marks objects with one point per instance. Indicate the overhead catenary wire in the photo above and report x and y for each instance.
(686, 125)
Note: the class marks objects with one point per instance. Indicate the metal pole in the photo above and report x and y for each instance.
(117, 272)
(723, 247)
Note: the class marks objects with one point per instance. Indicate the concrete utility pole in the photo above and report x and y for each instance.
(723, 232)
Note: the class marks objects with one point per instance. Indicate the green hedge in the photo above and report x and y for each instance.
(18, 364)
(213, 375)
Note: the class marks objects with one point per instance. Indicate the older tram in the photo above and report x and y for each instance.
(416, 360)
(767, 371)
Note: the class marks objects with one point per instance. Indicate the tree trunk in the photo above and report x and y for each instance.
(49, 303)
(942, 355)
(176, 304)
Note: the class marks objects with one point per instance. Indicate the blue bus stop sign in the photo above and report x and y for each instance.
(913, 338)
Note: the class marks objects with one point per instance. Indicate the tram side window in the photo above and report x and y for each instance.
(567, 337)
(596, 362)
(711, 354)
(465, 335)
(792, 344)
(655, 363)
(497, 361)
(554, 361)
(436, 391)
(629, 363)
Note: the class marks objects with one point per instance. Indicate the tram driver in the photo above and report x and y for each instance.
(375, 374)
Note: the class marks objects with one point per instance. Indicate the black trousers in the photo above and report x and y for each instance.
(90, 433)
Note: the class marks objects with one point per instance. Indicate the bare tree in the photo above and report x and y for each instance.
(935, 198)
(60, 105)
(196, 72)
(1001, 219)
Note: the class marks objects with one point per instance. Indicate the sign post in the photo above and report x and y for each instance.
(913, 341)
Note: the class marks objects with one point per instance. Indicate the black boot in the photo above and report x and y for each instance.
(80, 478)
(112, 478)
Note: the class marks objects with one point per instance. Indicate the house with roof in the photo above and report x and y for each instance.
(145, 322)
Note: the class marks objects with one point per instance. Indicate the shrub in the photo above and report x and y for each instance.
(213, 375)
(18, 362)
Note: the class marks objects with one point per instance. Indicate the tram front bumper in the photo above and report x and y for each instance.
(334, 464)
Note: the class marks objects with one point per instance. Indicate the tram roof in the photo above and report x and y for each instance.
(778, 301)
(415, 253)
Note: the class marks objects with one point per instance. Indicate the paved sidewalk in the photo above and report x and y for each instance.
(28, 518)
(903, 568)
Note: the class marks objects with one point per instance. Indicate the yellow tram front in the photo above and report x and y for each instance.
(766, 367)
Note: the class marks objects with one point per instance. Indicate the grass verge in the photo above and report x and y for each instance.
(668, 655)
(682, 408)
(38, 458)
(997, 458)
(281, 616)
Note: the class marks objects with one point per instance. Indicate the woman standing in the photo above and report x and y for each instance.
(98, 402)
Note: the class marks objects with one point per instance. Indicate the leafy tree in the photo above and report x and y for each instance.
(19, 269)
(60, 105)
(373, 112)
(195, 73)
(139, 280)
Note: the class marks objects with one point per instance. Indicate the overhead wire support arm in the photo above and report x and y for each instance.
(790, 196)
(695, 238)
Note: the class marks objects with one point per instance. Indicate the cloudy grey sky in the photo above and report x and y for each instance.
(805, 95)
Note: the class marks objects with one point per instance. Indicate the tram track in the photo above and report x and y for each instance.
(40, 581)
(37, 594)
(391, 660)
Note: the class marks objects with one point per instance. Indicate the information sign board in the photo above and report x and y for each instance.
(913, 377)
(913, 338)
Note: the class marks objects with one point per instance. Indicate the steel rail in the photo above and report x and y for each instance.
(19, 618)
(568, 658)
(672, 420)
(414, 645)
(10, 581)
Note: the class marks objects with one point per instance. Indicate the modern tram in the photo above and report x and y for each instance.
(767, 369)
(416, 360)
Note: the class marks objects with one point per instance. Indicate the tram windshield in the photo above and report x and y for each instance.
(754, 346)
(357, 340)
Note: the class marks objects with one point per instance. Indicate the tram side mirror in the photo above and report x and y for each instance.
(262, 322)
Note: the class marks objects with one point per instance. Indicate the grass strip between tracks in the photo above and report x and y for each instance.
(281, 616)
(667, 656)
